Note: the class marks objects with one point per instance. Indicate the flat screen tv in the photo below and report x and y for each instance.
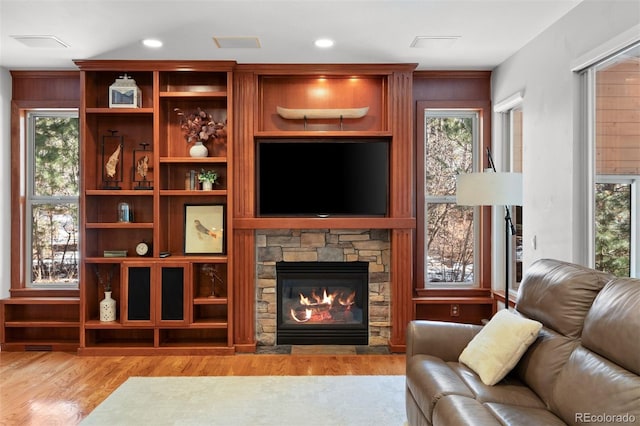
(322, 177)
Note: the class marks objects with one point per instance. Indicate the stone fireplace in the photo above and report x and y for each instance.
(322, 245)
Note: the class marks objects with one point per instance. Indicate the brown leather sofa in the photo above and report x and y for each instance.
(583, 368)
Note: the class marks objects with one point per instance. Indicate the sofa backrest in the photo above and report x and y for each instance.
(601, 377)
(559, 295)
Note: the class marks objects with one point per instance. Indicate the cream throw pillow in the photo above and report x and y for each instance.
(498, 347)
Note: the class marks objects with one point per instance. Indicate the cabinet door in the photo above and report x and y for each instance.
(174, 300)
(138, 294)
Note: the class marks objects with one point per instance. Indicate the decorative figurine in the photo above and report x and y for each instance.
(112, 145)
(141, 167)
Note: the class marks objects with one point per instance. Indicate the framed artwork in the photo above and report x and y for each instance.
(204, 229)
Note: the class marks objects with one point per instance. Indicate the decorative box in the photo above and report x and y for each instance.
(124, 93)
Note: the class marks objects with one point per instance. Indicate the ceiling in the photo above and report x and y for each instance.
(365, 31)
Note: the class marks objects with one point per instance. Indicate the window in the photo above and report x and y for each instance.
(452, 143)
(614, 132)
(52, 188)
(511, 116)
(517, 246)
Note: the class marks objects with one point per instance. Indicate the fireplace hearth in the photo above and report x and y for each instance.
(322, 303)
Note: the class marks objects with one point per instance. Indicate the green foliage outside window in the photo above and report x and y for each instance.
(613, 228)
(54, 200)
(449, 231)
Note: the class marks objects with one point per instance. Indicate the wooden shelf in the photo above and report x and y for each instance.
(39, 324)
(197, 193)
(192, 160)
(119, 111)
(214, 94)
(119, 192)
(41, 301)
(102, 259)
(119, 225)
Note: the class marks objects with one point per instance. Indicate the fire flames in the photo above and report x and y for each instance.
(328, 307)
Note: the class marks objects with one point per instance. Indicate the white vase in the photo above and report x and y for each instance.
(198, 150)
(207, 186)
(107, 308)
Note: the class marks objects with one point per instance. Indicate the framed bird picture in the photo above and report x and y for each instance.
(204, 229)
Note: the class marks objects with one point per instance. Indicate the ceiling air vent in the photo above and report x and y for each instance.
(40, 41)
(237, 42)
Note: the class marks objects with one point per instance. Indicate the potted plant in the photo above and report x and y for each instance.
(208, 178)
(198, 127)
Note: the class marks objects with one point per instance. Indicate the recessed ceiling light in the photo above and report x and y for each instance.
(323, 42)
(152, 42)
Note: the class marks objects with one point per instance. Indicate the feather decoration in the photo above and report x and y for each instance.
(113, 162)
(143, 166)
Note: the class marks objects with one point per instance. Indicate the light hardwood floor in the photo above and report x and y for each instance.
(55, 388)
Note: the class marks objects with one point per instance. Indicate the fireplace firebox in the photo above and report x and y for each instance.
(321, 303)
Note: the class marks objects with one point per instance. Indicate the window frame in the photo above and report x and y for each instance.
(484, 213)
(451, 199)
(588, 100)
(506, 110)
(33, 90)
(32, 200)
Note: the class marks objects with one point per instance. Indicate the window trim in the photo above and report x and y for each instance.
(505, 110)
(484, 121)
(19, 109)
(32, 200)
(474, 115)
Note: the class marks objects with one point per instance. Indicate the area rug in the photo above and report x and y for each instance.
(255, 400)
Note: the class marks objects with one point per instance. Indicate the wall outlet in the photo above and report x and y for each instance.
(455, 310)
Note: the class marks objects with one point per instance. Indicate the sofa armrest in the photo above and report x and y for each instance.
(445, 340)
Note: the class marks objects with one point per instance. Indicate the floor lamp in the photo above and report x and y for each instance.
(493, 189)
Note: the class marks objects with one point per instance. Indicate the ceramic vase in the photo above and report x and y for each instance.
(107, 308)
(198, 150)
(207, 186)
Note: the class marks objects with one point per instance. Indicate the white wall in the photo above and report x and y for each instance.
(5, 181)
(553, 154)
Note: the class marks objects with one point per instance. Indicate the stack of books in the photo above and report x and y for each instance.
(115, 253)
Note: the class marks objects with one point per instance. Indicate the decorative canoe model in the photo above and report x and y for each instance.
(320, 113)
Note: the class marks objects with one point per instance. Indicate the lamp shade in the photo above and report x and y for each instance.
(489, 189)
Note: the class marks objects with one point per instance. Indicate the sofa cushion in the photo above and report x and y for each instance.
(611, 326)
(592, 385)
(523, 416)
(430, 378)
(457, 410)
(510, 390)
(559, 294)
(496, 349)
(540, 365)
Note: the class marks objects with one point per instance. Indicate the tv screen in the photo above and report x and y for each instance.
(323, 178)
